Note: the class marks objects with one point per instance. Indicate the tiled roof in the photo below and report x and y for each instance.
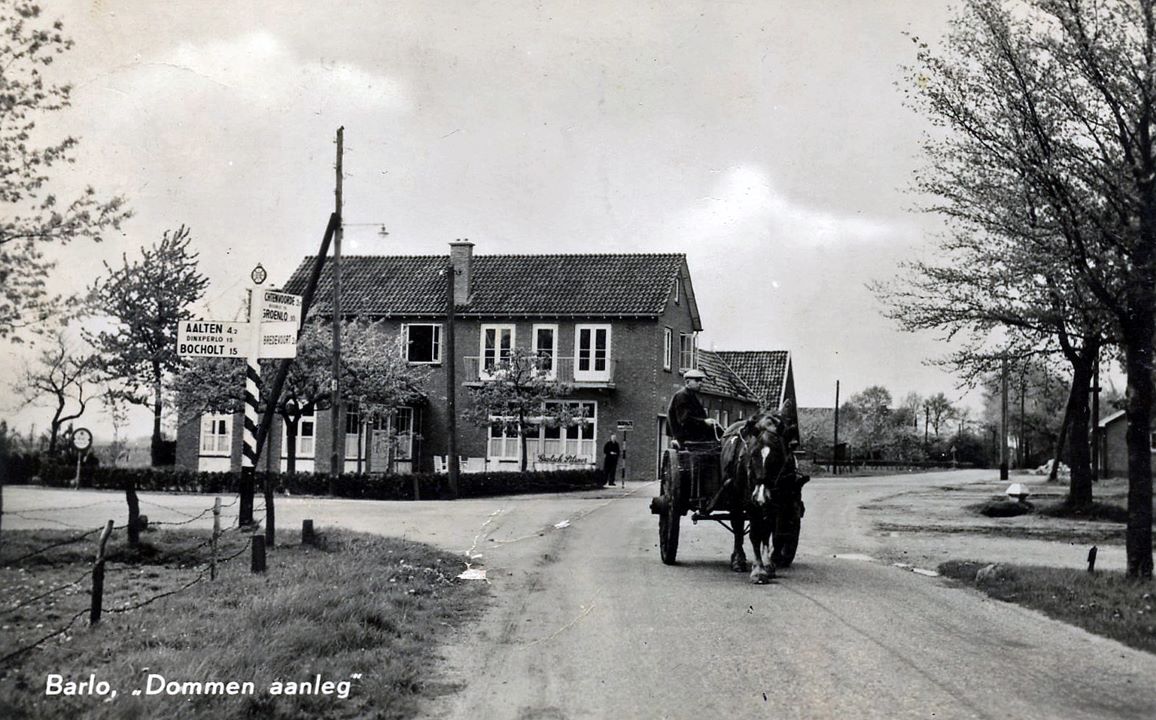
(502, 285)
(764, 371)
(720, 379)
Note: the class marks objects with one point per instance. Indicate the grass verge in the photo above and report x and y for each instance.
(362, 613)
(1103, 603)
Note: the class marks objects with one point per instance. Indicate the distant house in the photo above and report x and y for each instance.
(1114, 446)
(618, 328)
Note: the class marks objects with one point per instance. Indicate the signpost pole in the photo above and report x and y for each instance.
(625, 433)
(252, 394)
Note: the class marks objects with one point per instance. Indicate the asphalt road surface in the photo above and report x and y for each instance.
(588, 623)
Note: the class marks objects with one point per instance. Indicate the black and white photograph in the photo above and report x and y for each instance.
(539, 360)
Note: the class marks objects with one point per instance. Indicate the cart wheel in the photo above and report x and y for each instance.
(786, 541)
(669, 517)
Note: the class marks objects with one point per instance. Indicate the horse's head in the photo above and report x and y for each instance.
(764, 452)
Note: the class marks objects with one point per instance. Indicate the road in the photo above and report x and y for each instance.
(588, 623)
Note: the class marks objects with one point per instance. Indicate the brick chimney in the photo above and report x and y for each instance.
(461, 256)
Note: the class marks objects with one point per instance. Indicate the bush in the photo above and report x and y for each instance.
(431, 486)
(1002, 507)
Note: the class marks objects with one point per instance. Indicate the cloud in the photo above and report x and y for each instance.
(745, 205)
(261, 67)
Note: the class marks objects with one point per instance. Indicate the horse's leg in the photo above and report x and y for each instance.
(763, 570)
(738, 525)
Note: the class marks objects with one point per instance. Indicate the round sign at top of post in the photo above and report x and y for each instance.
(258, 275)
(82, 439)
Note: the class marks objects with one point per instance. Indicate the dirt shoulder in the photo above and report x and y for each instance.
(927, 526)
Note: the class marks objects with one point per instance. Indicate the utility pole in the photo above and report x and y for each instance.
(835, 448)
(451, 384)
(1003, 420)
(1023, 459)
(337, 457)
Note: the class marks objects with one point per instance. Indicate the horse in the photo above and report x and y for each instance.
(756, 460)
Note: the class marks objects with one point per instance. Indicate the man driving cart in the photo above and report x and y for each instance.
(686, 419)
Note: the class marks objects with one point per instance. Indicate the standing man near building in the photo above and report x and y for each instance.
(610, 453)
(686, 418)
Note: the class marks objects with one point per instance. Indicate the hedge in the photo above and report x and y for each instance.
(348, 485)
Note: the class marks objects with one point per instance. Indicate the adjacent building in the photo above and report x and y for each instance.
(618, 328)
(1114, 446)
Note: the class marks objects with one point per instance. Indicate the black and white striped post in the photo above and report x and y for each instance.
(249, 454)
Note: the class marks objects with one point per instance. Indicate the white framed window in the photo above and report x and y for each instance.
(687, 351)
(403, 433)
(502, 445)
(216, 434)
(352, 434)
(726, 418)
(546, 348)
(497, 342)
(423, 342)
(667, 348)
(306, 436)
(677, 290)
(592, 352)
(572, 444)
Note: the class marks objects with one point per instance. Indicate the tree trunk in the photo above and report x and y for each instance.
(54, 431)
(1080, 483)
(522, 437)
(1059, 449)
(291, 443)
(1138, 363)
(155, 447)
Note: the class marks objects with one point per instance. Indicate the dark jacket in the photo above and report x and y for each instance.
(686, 418)
(611, 450)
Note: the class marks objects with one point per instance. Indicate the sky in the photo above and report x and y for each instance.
(766, 140)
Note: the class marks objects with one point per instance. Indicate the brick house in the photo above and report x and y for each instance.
(1114, 446)
(619, 328)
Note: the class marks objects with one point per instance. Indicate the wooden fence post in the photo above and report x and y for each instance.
(216, 534)
(306, 532)
(258, 564)
(98, 576)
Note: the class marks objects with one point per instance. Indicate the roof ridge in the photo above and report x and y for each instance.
(517, 255)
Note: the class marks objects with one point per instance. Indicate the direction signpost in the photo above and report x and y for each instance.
(271, 332)
(624, 427)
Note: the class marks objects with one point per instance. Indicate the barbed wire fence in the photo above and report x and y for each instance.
(208, 568)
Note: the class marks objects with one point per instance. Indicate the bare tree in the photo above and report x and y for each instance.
(64, 376)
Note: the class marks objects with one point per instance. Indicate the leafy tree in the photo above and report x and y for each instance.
(379, 380)
(869, 419)
(34, 219)
(376, 379)
(513, 397)
(938, 410)
(146, 300)
(1047, 114)
(64, 376)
